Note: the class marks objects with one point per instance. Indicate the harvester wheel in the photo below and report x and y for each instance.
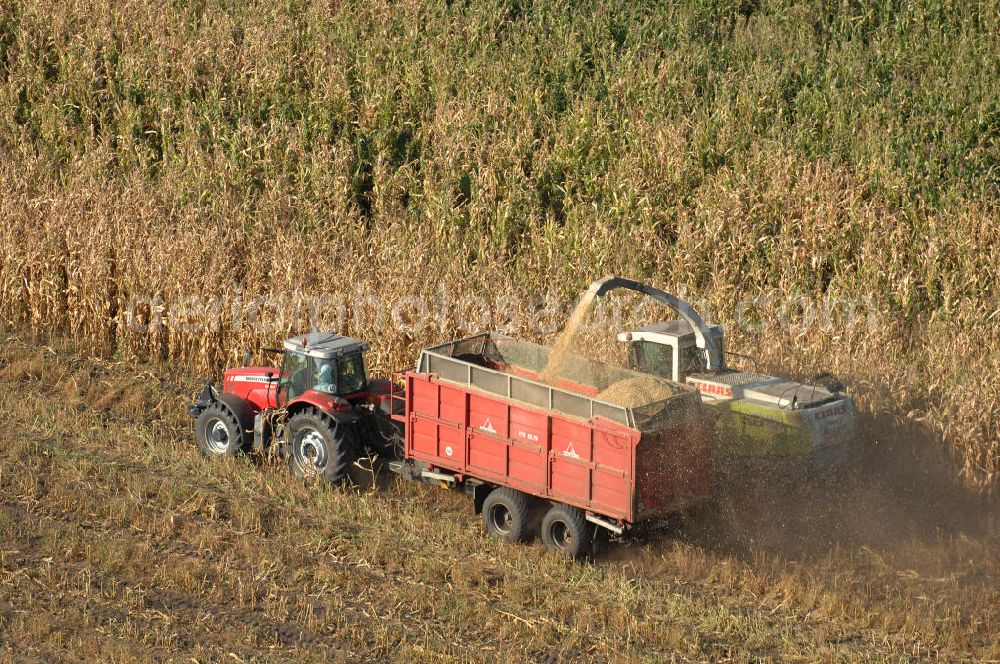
(218, 432)
(565, 529)
(319, 447)
(506, 514)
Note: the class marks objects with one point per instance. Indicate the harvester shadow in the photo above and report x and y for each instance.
(904, 487)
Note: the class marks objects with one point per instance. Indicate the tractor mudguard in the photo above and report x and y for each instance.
(240, 409)
(335, 408)
(348, 417)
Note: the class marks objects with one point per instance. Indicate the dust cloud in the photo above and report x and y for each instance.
(898, 499)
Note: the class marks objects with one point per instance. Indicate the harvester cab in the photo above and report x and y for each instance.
(669, 349)
(764, 420)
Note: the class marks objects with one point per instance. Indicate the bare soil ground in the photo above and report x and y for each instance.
(118, 542)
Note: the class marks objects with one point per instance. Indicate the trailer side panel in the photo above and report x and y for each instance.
(588, 464)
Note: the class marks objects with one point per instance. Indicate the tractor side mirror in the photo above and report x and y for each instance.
(267, 387)
(246, 358)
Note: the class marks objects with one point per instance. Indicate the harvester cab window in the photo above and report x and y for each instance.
(692, 361)
(653, 358)
(294, 377)
(351, 373)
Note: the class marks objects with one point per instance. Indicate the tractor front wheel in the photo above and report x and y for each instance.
(218, 432)
(319, 447)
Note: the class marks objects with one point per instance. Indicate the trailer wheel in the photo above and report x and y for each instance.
(218, 432)
(506, 514)
(565, 529)
(319, 447)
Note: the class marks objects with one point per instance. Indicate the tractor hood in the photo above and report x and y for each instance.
(256, 385)
(765, 390)
(258, 375)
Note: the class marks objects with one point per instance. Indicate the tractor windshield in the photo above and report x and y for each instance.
(692, 361)
(351, 374)
(341, 376)
(295, 378)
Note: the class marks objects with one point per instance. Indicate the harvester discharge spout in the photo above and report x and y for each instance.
(704, 340)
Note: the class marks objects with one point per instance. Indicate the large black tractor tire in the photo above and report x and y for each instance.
(319, 446)
(218, 432)
(565, 529)
(507, 515)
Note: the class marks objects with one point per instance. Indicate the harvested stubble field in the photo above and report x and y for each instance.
(180, 181)
(121, 543)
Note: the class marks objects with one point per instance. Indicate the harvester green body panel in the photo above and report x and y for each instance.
(820, 437)
(767, 418)
(757, 430)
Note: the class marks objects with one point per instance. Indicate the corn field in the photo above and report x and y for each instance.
(183, 180)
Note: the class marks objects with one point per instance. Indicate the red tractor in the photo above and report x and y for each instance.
(320, 411)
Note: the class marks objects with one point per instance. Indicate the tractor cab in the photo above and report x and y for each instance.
(669, 349)
(322, 362)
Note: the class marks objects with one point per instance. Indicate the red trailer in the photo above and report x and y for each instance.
(477, 417)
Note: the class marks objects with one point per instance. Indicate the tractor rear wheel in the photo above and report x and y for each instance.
(218, 432)
(506, 515)
(565, 529)
(319, 446)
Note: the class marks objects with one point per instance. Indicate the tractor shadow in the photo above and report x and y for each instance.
(371, 474)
